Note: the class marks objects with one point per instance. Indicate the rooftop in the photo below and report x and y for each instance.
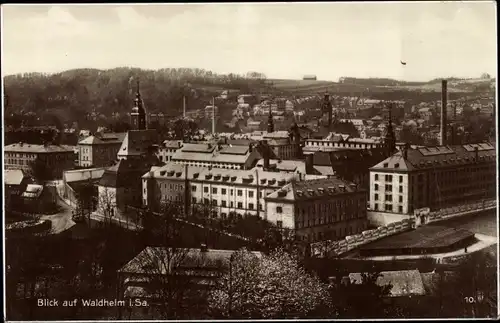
(313, 189)
(439, 156)
(152, 259)
(230, 176)
(37, 149)
(83, 174)
(13, 176)
(137, 142)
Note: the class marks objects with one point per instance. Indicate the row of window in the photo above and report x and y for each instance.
(217, 165)
(388, 198)
(388, 178)
(224, 191)
(389, 208)
(20, 155)
(388, 187)
(239, 205)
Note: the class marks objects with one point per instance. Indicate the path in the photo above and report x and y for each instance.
(61, 220)
(484, 241)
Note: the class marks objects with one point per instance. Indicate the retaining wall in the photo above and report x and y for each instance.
(335, 248)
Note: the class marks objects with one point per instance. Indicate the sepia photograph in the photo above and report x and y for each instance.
(250, 161)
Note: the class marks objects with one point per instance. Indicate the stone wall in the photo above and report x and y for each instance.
(336, 248)
(460, 210)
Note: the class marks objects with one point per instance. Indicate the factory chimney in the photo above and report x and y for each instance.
(184, 106)
(444, 103)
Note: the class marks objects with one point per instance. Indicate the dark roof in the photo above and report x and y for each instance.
(439, 156)
(424, 237)
(353, 157)
(37, 149)
(124, 173)
(138, 142)
(240, 142)
(313, 189)
(144, 262)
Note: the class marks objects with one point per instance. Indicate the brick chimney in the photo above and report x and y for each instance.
(476, 153)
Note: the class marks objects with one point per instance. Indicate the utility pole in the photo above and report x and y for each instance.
(213, 115)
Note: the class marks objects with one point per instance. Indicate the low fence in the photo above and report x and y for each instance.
(336, 248)
(460, 210)
(28, 227)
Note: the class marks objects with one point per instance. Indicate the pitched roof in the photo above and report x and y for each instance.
(285, 165)
(313, 189)
(124, 173)
(33, 191)
(404, 282)
(172, 144)
(152, 259)
(37, 149)
(221, 175)
(439, 156)
(13, 176)
(138, 142)
(104, 138)
(83, 174)
(213, 153)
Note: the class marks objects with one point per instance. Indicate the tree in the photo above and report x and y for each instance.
(360, 300)
(168, 285)
(85, 200)
(470, 290)
(106, 203)
(275, 286)
(39, 171)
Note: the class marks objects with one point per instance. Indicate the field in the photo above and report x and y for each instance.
(302, 87)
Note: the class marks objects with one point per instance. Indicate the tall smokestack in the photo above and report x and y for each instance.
(444, 104)
(184, 106)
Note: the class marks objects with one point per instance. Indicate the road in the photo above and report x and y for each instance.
(62, 220)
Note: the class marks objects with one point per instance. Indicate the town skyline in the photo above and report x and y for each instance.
(150, 37)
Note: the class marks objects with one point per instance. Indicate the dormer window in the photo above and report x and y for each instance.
(396, 165)
(386, 165)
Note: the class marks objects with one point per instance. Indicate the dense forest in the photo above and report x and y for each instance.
(80, 94)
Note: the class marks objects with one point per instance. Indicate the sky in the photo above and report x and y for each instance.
(281, 40)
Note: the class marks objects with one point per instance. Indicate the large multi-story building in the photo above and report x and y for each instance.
(433, 177)
(228, 192)
(54, 158)
(120, 185)
(317, 210)
(99, 150)
(216, 155)
(168, 149)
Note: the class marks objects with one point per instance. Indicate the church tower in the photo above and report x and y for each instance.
(270, 122)
(138, 115)
(390, 137)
